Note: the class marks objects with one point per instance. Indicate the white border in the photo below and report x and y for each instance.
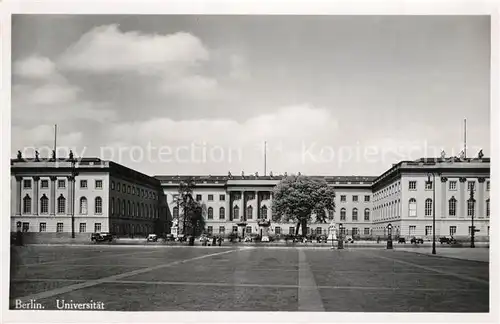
(358, 7)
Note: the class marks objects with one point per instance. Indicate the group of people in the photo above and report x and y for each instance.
(215, 241)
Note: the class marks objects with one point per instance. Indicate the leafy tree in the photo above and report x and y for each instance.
(297, 198)
(192, 211)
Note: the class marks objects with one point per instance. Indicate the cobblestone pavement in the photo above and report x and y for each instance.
(247, 279)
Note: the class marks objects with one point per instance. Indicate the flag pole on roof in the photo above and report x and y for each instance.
(465, 138)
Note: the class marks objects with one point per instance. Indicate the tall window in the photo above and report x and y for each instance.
(367, 231)
(83, 227)
(235, 229)
(355, 214)
(453, 185)
(428, 207)
(487, 208)
(27, 204)
(236, 212)
(61, 204)
(453, 230)
(124, 213)
(59, 227)
(44, 205)
(318, 230)
(175, 212)
(412, 207)
(277, 230)
(210, 213)
(470, 207)
(26, 227)
(412, 229)
(263, 212)
(112, 205)
(43, 227)
(210, 230)
(83, 205)
(249, 212)
(222, 229)
(367, 214)
(355, 231)
(291, 230)
(412, 185)
(342, 214)
(97, 227)
(248, 229)
(452, 207)
(428, 230)
(222, 213)
(129, 208)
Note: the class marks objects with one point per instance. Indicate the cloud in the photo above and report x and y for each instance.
(191, 86)
(106, 49)
(238, 68)
(35, 67)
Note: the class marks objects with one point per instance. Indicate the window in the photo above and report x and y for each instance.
(118, 187)
(355, 231)
(222, 197)
(142, 192)
(367, 214)
(248, 230)
(44, 184)
(342, 214)
(235, 229)
(318, 230)
(44, 205)
(343, 198)
(470, 230)
(43, 227)
(98, 205)
(428, 185)
(487, 185)
(97, 227)
(412, 185)
(83, 184)
(124, 212)
(222, 213)
(98, 184)
(124, 188)
(27, 205)
(59, 227)
(83, 227)
(210, 230)
(210, 213)
(27, 184)
(175, 212)
(26, 227)
(355, 214)
(367, 231)
(367, 198)
(453, 185)
(129, 189)
(277, 230)
(198, 197)
(412, 207)
(452, 207)
(236, 212)
(263, 214)
(222, 229)
(210, 197)
(453, 230)
(470, 185)
(249, 212)
(112, 205)
(487, 208)
(470, 207)
(428, 230)
(412, 229)
(291, 230)
(61, 204)
(83, 206)
(112, 185)
(61, 184)
(355, 198)
(428, 207)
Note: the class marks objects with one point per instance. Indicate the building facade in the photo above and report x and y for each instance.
(402, 196)
(91, 195)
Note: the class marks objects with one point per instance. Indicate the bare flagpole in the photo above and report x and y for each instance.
(265, 157)
(55, 141)
(465, 138)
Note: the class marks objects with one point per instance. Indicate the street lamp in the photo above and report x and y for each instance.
(389, 236)
(473, 229)
(340, 238)
(73, 178)
(433, 184)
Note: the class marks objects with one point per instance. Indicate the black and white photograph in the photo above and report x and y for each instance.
(225, 163)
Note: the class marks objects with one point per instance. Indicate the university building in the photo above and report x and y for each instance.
(100, 196)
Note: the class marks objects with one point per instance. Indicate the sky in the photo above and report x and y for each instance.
(200, 94)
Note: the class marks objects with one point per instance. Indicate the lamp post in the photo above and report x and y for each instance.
(473, 229)
(389, 236)
(73, 194)
(340, 238)
(433, 183)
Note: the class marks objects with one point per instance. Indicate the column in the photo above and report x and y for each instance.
(463, 197)
(36, 198)
(52, 206)
(481, 213)
(244, 206)
(230, 207)
(258, 205)
(18, 195)
(71, 194)
(442, 207)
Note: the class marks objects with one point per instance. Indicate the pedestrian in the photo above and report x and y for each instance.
(214, 241)
(220, 240)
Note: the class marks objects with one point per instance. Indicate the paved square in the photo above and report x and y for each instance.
(142, 278)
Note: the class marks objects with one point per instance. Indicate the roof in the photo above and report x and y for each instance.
(224, 178)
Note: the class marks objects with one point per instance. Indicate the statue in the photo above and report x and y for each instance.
(299, 174)
(480, 154)
(71, 155)
(19, 155)
(286, 174)
(229, 174)
(53, 154)
(256, 174)
(270, 173)
(37, 158)
(443, 154)
(332, 231)
(242, 173)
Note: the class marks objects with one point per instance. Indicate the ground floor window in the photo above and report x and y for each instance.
(428, 230)
(97, 228)
(59, 227)
(367, 231)
(222, 229)
(291, 230)
(83, 227)
(355, 231)
(43, 227)
(277, 230)
(235, 229)
(249, 230)
(453, 230)
(210, 229)
(26, 227)
(318, 231)
(412, 229)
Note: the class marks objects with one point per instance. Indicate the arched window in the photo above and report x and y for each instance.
(144, 213)
(342, 214)
(124, 212)
(412, 207)
(150, 211)
(263, 212)
(27, 204)
(367, 214)
(428, 207)
(61, 204)
(139, 211)
(175, 212)
(488, 207)
(355, 214)
(83, 206)
(236, 212)
(113, 206)
(249, 212)
(129, 208)
(222, 213)
(118, 206)
(210, 213)
(452, 207)
(98, 205)
(470, 207)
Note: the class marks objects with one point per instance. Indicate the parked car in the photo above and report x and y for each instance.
(152, 238)
(417, 240)
(322, 239)
(447, 240)
(169, 237)
(265, 239)
(101, 237)
(402, 240)
(247, 239)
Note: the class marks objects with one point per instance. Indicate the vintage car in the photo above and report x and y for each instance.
(152, 238)
(447, 240)
(101, 237)
(401, 240)
(417, 240)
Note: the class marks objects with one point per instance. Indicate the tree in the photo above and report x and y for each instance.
(297, 198)
(192, 211)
